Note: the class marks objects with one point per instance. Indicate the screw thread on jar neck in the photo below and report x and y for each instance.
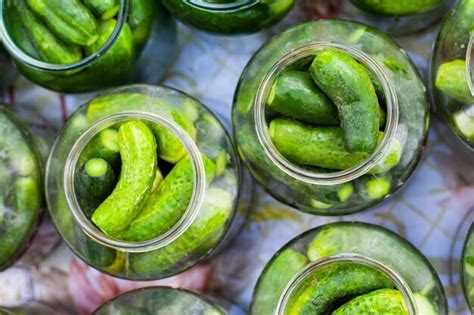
(188, 217)
(298, 172)
(470, 65)
(321, 263)
(23, 57)
(235, 5)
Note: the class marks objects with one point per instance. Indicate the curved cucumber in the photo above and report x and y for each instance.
(295, 95)
(105, 9)
(399, 7)
(316, 146)
(139, 163)
(383, 301)
(104, 145)
(167, 205)
(70, 20)
(348, 85)
(451, 79)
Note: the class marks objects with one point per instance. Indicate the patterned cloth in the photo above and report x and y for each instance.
(431, 210)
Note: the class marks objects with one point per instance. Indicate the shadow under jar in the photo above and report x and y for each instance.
(73, 46)
(143, 183)
(348, 268)
(230, 16)
(301, 123)
(452, 71)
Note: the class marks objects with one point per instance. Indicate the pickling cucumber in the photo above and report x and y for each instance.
(104, 145)
(391, 159)
(383, 301)
(167, 205)
(140, 18)
(451, 79)
(295, 95)
(122, 49)
(375, 187)
(70, 20)
(139, 163)
(399, 7)
(347, 84)
(19, 33)
(317, 146)
(104, 9)
(464, 121)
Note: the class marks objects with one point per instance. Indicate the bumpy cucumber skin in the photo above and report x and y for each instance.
(105, 9)
(399, 7)
(316, 146)
(275, 279)
(167, 205)
(348, 85)
(139, 163)
(296, 96)
(451, 79)
(70, 20)
(383, 301)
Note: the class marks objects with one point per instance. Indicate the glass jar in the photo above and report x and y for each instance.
(165, 226)
(322, 191)
(468, 268)
(138, 45)
(21, 188)
(160, 300)
(231, 16)
(452, 71)
(324, 267)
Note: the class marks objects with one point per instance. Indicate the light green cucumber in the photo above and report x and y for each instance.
(375, 187)
(383, 301)
(451, 79)
(348, 85)
(167, 205)
(70, 20)
(104, 9)
(139, 163)
(399, 7)
(391, 159)
(464, 121)
(104, 145)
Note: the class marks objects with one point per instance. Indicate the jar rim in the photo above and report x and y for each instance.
(23, 57)
(301, 173)
(234, 5)
(470, 64)
(316, 265)
(194, 205)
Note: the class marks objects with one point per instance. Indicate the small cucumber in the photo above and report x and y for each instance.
(94, 184)
(317, 146)
(167, 205)
(391, 159)
(104, 9)
(139, 163)
(348, 85)
(295, 95)
(399, 7)
(121, 50)
(49, 47)
(104, 145)
(464, 121)
(70, 20)
(19, 33)
(140, 18)
(451, 79)
(375, 188)
(383, 301)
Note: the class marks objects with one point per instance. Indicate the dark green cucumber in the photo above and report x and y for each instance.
(104, 9)
(167, 205)
(451, 78)
(348, 85)
(94, 183)
(104, 145)
(317, 146)
(399, 7)
(383, 301)
(49, 47)
(275, 279)
(139, 163)
(295, 95)
(70, 20)
(140, 18)
(19, 33)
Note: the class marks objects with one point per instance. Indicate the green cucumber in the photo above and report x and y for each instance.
(295, 95)
(70, 20)
(167, 205)
(19, 32)
(104, 9)
(375, 187)
(464, 121)
(399, 7)
(274, 280)
(451, 78)
(94, 183)
(139, 163)
(104, 145)
(122, 51)
(140, 17)
(49, 47)
(348, 85)
(383, 301)
(391, 159)
(317, 146)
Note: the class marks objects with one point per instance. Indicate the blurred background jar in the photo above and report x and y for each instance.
(402, 95)
(78, 47)
(452, 71)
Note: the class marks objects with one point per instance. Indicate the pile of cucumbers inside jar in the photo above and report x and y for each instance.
(144, 182)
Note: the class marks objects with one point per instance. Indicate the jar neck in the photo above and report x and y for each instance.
(88, 61)
(470, 64)
(321, 264)
(194, 204)
(303, 174)
(231, 5)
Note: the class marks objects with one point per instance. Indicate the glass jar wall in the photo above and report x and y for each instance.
(347, 268)
(143, 182)
(468, 268)
(298, 149)
(100, 45)
(452, 71)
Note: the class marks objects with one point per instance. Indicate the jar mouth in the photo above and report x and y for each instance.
(187, 218)
(311, 268)
(470, 64)
(23, 57)
(234, 5)
(301, 173)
